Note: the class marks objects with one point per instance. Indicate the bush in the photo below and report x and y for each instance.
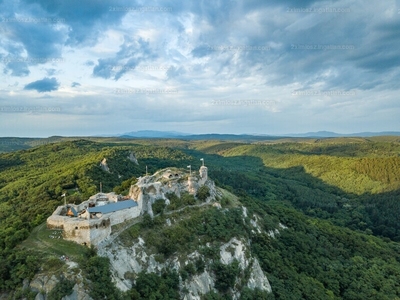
(62, 288)
(158, 206)
(147, 222)
(248, 294)
(188, 271)
(200, 265)
(188, 199)
(203, 193)
(53, 264)
(225, 275)
(153, 286)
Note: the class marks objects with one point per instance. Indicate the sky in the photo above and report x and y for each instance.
(107, 67)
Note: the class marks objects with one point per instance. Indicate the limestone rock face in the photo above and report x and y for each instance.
(78, 293)
(150, 188)
(257, 279)
(104, 165)
(132, 158)
(43, 284)
(232, 250)
(199, 285)
(39, 296)
(126, 261)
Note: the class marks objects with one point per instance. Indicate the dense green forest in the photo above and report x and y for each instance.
(340, 200)
(352, 184)
(32, 182)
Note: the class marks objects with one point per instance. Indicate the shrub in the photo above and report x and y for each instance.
(203, 193)
(158, 206)
(62, 288)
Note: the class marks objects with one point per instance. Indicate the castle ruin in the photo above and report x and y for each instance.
(90, 222)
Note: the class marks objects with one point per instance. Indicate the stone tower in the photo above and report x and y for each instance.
(203, 175)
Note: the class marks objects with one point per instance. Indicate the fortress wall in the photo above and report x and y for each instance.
(77, 230)
(55, 222)
(102, 231)
(82, 231)
(59, 210)
(123, 215)
(192, 185)
(140, 201)
(134, 192)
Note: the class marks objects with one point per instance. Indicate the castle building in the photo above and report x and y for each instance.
(90, 222)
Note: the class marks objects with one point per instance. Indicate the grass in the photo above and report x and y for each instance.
(40, 239)
(232, 199)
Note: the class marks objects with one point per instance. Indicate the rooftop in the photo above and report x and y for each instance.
(104, 209)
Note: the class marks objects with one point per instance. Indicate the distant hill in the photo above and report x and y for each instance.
(256, 137)
(9, 144)
(322, 134)
(154, 134)
(188, 136)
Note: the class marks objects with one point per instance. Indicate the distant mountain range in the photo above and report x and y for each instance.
(154, 134)
(318, 134)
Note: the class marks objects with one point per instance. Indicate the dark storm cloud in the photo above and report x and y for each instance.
(44, 85)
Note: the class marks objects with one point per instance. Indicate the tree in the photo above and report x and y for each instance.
(203, 193)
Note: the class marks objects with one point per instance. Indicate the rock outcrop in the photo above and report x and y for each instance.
(43, 284)
(132, 158)
(132, 260)
(155, 187)
(104, 166)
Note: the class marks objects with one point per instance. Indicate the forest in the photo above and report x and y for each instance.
(339, 199)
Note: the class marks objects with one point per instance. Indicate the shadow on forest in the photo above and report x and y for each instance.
(247, 175)
(9, 163)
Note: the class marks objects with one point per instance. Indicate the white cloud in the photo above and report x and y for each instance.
(171, 50)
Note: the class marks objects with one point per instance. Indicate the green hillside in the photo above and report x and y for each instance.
(352, 184)
(339, 200)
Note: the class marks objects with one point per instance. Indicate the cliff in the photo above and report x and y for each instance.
(196, 230)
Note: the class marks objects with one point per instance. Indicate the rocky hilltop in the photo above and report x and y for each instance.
(173, 204)
(171, 181)
(234, 254)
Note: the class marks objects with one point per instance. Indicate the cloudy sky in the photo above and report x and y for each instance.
(87, 67)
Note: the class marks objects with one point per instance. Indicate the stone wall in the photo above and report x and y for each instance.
(91, 231)
(124, 215)
(55, 222)
(84, 232)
